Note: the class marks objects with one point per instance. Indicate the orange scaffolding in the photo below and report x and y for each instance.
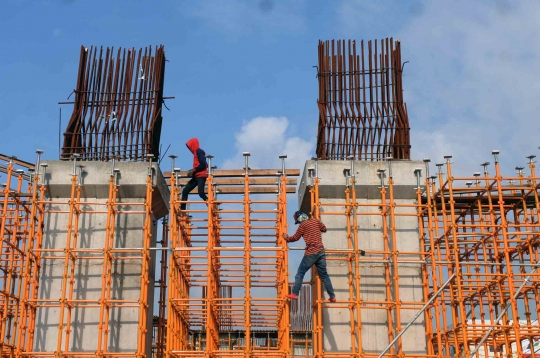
(484, 231)
(229, 265)
(21, 218)
(47, 260)
(478, 261)
(224, 267)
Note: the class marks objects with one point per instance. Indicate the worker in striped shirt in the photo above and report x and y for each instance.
(310, 229)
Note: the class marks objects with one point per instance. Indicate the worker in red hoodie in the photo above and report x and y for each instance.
(198, 173)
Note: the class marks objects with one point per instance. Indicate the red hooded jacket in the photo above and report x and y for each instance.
(200, 167)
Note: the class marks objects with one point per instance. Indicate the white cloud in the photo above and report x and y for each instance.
(266, 138)
(470, 84)
(236, 17)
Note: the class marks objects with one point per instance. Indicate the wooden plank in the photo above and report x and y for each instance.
(252, 181)
(238, 173)
(254, 190)
(19, 162)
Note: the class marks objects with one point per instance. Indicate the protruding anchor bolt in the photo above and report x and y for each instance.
(381, 176)
(149, 158)
(316, 160)
(176, 172)
(44, 171)
(283, 157)
(74, 157)
(173, 157)
(116, 175)
(209, 159)
(389, 160)
(477, 175)
(31, 174)
(351, 159)
(113, 166)
(246, 161)
(79, 177)
(495, 154)
(418, 175)
(427, 161)
(347, 175)
(38, 152)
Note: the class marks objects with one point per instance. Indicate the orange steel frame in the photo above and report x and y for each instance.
(484, 229)
(234, 243)
(478, 257)
(388, 210)
(22, 217)
(108, 255)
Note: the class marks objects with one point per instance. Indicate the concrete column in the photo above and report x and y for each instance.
(126, 274)
(374, 334)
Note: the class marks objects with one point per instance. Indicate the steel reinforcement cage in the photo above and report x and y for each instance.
(117, 108)
(361, 108)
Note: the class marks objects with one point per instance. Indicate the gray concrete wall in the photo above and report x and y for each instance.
(336, 321)
(125, 274)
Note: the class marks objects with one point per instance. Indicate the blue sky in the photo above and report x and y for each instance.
(469, 85)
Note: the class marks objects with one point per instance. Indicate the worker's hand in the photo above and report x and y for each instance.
(190, 173)
(285, 236)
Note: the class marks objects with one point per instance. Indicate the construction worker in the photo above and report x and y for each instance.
(310, 229)
(198, 173)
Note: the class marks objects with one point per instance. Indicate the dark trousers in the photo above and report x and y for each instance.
(319, 260)
(194, 182)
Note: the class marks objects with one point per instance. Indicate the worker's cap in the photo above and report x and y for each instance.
(300, 216)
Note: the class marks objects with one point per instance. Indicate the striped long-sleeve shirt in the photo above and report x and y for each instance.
(311, 231)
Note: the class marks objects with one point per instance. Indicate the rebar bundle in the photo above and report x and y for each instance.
(361, 108)
(117, 109)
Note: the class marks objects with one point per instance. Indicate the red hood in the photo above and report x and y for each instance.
(193, 145)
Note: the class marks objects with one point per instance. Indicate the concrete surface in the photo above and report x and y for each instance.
(125, 273)
(336, 321)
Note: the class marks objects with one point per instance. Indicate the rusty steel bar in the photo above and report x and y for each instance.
(117, 109)
(361, 108)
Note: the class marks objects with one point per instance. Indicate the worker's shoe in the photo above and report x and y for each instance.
(292, 296)
(332, 299)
